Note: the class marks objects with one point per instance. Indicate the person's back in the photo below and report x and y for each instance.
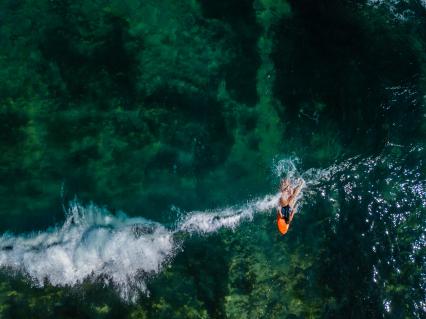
(284, 217)
(286, 205)
(283, 223)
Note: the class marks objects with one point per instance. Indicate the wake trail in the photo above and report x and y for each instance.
(122, 251)
(208, 222)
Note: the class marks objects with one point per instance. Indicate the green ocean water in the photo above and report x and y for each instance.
(142, 144)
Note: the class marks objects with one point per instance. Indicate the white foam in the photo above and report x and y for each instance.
(286, 167)
(208, 222)
(123, 251)
(91, 243)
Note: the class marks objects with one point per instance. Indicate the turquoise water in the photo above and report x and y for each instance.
(142, 145)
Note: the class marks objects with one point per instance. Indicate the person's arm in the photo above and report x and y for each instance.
(298, 188)
(292, 215)
(295, 193)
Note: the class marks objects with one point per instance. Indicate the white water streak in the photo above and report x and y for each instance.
(94, 244)
(90, 244)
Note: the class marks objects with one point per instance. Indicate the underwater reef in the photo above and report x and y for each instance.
(161, 107)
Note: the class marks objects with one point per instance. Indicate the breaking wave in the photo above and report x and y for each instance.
(123, 251)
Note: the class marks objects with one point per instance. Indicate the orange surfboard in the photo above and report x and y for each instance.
(282, 226)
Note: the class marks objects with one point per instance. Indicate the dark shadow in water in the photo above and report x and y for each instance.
(241, 72)
(340, 63)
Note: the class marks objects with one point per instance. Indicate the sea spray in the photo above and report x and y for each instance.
(208, 222)
(123, 251)
(92, 243)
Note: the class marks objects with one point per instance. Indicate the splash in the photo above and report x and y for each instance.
(386, 176)
(208, 222)
(121, 251)
(124, 252)
(92, 243)
(388, 192)
(286, 167)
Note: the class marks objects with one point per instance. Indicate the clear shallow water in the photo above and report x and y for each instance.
(184, 116)
(126, 251)
(122, 250)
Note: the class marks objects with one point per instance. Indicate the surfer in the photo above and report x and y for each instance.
(286, 204)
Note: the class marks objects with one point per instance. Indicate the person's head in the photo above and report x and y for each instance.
(285, 184)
